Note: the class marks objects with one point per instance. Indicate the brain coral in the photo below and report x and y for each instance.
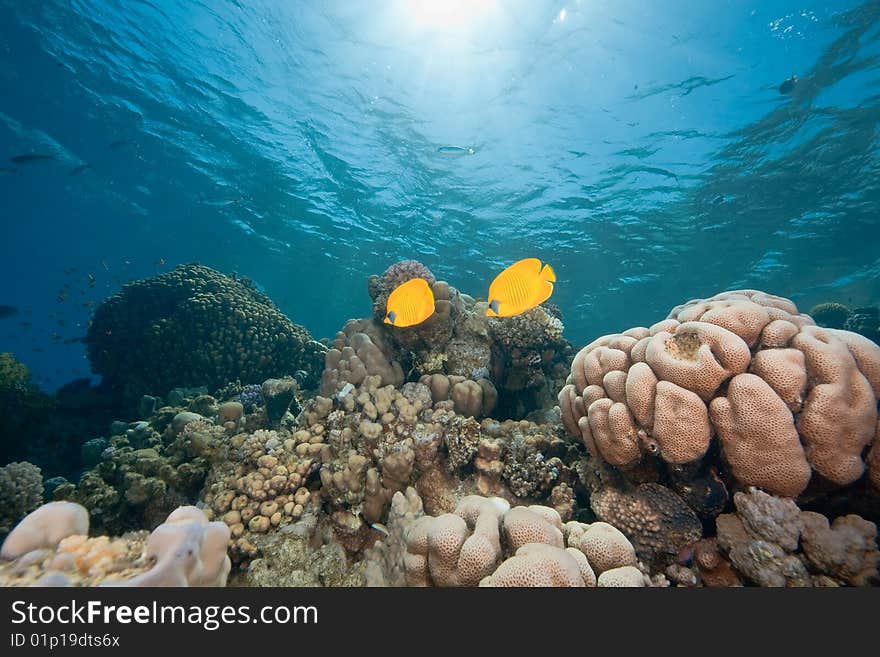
(195, 326)
(788, 400)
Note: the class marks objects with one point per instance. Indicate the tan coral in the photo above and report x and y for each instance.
(625, 576)
(528, 525)
(759, 437)
(778, 333)
(601, 356)
(614, 432)
(744, 318)
(641, 386)
(681, 424)
(839, 416)
(356, 355)
(785, 371)
(604, 545)
(540, 565)
(614, 383)
(698, 356)
(456, 549)
(817, 408)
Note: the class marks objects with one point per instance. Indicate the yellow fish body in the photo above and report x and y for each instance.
(410, 303)
(522, 286)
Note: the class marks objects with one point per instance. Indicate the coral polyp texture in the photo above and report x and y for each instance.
(194, 326)
(484, 542)
(789, 402)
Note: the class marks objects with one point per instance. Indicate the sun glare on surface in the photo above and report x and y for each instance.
(447, 14)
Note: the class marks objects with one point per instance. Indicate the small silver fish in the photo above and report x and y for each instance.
(379, 527)
(456, 150)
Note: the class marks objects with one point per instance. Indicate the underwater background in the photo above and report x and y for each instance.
(440, 293)
(645, 151)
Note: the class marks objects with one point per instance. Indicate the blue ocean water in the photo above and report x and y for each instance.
(643, 149)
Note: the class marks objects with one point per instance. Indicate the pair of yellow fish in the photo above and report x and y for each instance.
(522, 286)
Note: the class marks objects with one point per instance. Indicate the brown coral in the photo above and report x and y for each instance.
(655, 520)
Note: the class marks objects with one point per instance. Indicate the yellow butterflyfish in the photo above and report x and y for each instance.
(410, 303)
(523, 285)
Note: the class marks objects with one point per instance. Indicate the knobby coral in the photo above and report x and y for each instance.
(787, 400)
(203, 327)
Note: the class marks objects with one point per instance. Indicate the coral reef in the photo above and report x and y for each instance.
(289, 557)
(505, 367)
(697, 452)
(359, 350)
(484, 542)
(261, 485)
(385, 562)
(51, 547)
(791, 403)
(205, 328)
(151, 467)
(769, 541)
(21, 491)
(380, 439)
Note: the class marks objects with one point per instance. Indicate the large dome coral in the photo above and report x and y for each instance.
(790, 403)
(194, 326)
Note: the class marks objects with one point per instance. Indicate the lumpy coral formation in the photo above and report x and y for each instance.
(21, 491)
(51, 547)
(774, 543)
(696, 452)
(150, 467)
(484, 542)
(489, 366)
(787, 400)
(195, 326)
